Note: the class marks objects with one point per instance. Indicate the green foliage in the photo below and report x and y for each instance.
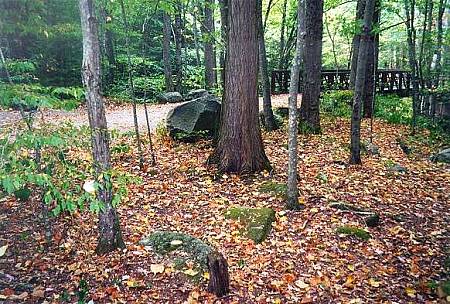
(394, 109)
(59, 171)
(354, 231)
(21, 71)
(337, 103)
(31, 96)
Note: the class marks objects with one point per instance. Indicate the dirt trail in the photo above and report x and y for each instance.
(118, 117)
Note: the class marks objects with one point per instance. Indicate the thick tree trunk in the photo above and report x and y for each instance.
(110, 237)
(282, 45)
(178, 47)
(269, 120)
(167, 34)
(372, 66)
(355, 43)
(360, 80)
(313, 65)
(240, 147)
(412, 57)
(208, 38)
(292, 186)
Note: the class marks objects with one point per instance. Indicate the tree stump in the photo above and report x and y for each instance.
(219, 280)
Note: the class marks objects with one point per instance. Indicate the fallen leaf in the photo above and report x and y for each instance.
(301, 284)
(191, 272)
(38, 292)
(176, 242)
(157, 268)
(3, 250)
(374, 283)
(411, 292)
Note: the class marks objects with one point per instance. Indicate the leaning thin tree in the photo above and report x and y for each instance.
(110, 237)
(240, 147)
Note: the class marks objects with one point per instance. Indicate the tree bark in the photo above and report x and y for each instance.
(439, 44)
(207, 28)
(355, 43)
(409, 7)
(110, 236)
(313, 65)
(281, 48)
(292, 186)
(360, 80)
(219, 279)
(196, 35)
(372, 66)
(224, 35)
(178, 47)
(167, 34)
(269, 120)
(240, 147)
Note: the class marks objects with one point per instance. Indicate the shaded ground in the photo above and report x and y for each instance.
(303, 260)
(119, 117)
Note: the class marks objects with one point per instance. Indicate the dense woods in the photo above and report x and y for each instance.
(224, 151)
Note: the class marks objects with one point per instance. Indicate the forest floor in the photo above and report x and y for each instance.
(303, 260)
(118, 115)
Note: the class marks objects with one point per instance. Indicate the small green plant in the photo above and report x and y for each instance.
(83, 291)
(162, 132)
(337, 103)
(393, 109)
(354, 231)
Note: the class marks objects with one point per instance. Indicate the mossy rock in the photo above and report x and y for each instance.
(354, 231)
(258, 221)
(23, 194)
(278, 189)
(164, 242)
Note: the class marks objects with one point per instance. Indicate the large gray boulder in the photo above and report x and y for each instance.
(199, 116)
(442, 157)
(194, 94)
(171, 97)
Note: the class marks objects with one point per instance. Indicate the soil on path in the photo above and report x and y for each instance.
(119, 117)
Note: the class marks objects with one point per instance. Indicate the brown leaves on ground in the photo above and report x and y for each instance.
(302, 261)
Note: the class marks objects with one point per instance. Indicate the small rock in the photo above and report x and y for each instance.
(442, 157)
(171, 97)
(194, 94)
(397, 168)
(372, 149)
(372, 220)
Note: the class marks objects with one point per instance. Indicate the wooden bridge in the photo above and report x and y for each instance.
(387, 81)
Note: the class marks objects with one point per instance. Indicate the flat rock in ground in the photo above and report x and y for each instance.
(442, 157)
(397, 168)
(258, 221)
(194, 94)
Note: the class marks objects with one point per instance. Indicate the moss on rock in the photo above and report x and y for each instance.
(258, 221)
(164, 242)
(355, 231)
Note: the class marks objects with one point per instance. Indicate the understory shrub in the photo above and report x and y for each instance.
(394, 109)
(337, 103)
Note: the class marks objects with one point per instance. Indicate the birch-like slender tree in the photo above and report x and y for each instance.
(110, 236)
(292, 186)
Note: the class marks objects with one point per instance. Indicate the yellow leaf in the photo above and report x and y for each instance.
(191, 272)
(176, 242)
(351, 267)
(157, 268)
(374, 283)
(3, 250)
(132, 283)
(411, 292)
(206, 275)
(301, 284)
(277, 301)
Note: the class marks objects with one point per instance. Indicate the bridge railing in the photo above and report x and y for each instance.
(387, 81)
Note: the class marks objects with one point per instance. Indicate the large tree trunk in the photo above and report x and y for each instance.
(372, 66)
(313, 64)
(355, 43)
(292, 186)
(167, 34)
(207, 28)
(412, 57)
(240, 147)
(110, 237)
(282, 45)
(360, 80)
(269, 120)
(178, 47)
